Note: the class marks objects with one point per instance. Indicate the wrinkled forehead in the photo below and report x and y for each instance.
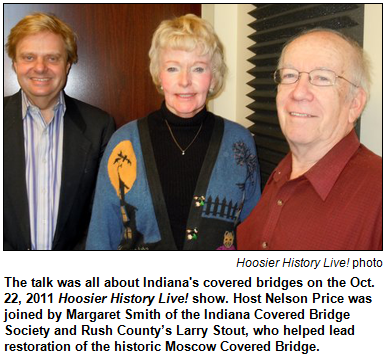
(317, 50)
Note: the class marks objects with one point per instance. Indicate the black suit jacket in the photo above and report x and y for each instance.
(87, 130)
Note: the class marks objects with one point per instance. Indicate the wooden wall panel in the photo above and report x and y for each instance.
(113, 42)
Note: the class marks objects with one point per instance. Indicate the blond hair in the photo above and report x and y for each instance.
(188, 33)
(40, 22)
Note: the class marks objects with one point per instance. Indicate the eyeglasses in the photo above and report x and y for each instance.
(317, 77)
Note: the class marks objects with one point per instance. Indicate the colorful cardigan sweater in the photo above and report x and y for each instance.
(129, 211)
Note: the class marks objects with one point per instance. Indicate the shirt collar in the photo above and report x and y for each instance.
(283, 170)
(176, 120)
(326, 171)
(26, 104)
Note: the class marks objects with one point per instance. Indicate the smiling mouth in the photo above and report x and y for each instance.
(40, 79)
(186, 96)
(300, 114)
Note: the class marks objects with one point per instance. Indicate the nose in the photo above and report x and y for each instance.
(40, 65)
(302, 89)
(185, 78)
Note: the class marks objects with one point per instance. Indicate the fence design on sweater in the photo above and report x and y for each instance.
(221, 209)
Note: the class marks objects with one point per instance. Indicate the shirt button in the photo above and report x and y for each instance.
(264, 245)
(280, 202)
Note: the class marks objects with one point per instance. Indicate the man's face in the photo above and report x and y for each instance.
(41, 67)
(310, 116)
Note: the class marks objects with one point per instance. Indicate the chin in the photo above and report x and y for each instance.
(297, 137)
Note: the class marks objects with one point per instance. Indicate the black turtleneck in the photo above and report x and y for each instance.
(179, 173)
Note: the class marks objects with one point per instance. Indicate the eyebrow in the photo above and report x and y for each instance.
(194, 64)
(287, 66)
(45, 55)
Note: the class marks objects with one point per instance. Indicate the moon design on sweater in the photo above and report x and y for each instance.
(122, 167)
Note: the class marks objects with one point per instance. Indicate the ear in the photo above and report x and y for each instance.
(68, 67)
(212, 83)
(160, 87)
(357, 105)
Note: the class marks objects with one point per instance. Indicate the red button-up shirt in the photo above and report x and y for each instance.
(336, 205)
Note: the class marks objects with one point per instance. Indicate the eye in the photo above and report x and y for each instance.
(171, 69)
(288, 75)
(198, 69)
(53, 59)
(322, 77)
(27, 57)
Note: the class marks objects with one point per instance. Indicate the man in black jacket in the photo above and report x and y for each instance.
(53, 143)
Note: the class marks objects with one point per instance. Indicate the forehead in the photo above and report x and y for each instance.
(41, 42)
(317, 50)
(179, 55)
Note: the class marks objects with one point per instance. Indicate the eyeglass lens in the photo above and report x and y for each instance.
(318, 77)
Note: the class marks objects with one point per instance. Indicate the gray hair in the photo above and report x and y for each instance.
(360, 62)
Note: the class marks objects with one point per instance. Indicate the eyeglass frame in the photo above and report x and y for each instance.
(309, 77)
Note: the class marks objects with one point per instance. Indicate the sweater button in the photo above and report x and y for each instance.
(264, 245)
(191, 234)
(199, 201)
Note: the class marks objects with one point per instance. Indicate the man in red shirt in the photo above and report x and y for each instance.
(326, 194)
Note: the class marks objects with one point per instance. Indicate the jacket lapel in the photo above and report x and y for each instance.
(155, 187)
(195, 213)
(14, 168)
(75, 152)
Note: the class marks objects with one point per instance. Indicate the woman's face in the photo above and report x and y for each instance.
(186, 78)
